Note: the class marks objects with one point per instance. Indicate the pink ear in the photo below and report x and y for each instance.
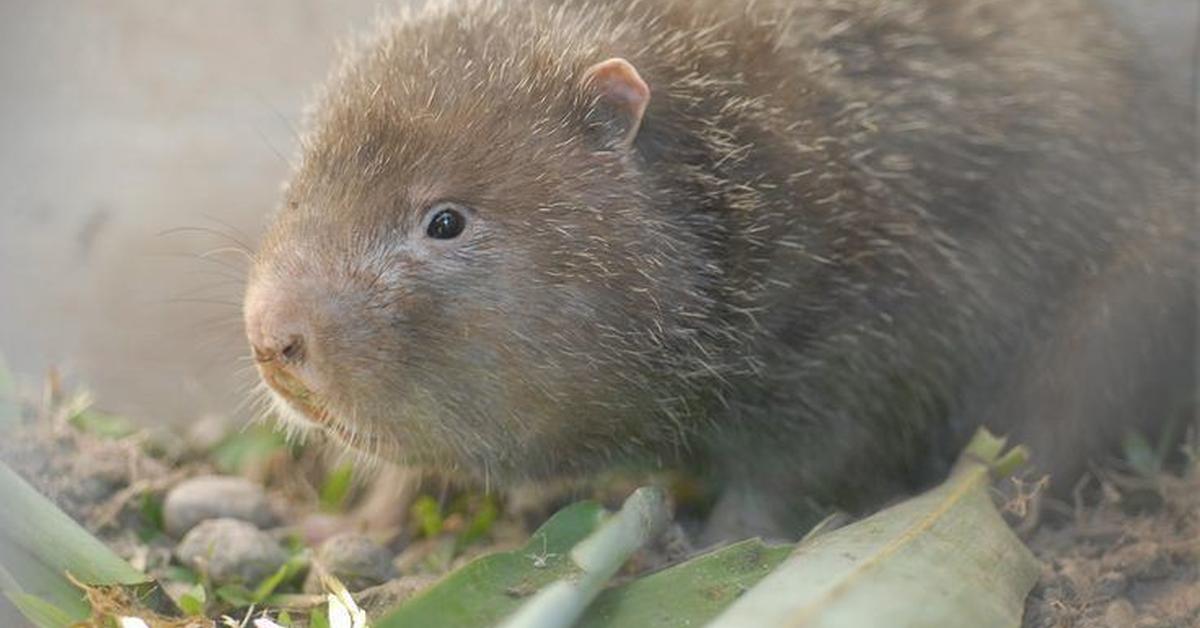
(623, 93)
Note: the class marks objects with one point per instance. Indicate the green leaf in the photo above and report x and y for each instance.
(643, 517)
(40, 545)
(101, 424)
(179, 573)
(194, 600)
(481, 523)
(42, 613)
(429, 516)
(336, 488)
(246, 448)
(688, 594)
(235, 595)
(318, 619)
(944, 558)
(491, 587)
(151, 507)
(286, 572)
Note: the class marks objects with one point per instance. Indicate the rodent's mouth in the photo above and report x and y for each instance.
(308, 405)
(295, 394)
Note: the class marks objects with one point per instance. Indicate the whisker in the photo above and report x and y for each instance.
(223, 286)
(239, 271)
(241, 238)
(287, 122)
(191, 229)
(230, 280)
(265, 140)
(228, 249)
(236, 304)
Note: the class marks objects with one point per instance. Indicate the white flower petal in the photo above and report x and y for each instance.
(339, 615)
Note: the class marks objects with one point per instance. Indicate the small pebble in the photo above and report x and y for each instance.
(1119, 614)
(357, 561)
(231, 551)
(215, 497)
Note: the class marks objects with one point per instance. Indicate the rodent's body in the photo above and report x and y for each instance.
(845, 233)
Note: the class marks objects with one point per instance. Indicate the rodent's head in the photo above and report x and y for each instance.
(470, 269)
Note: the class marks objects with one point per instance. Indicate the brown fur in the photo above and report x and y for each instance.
(847, 232)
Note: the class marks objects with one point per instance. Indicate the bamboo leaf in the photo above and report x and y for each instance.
(41, 612)
(643, 517)
(41, 549)
(688, 594)
(944, 558)
(489, 588)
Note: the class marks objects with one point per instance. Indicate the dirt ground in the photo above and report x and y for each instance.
(1126, 555)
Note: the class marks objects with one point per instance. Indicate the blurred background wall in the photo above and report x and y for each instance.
(130, 128)
(124, 120)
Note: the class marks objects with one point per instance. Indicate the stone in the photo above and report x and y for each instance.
(1119, 614)
(355, 560)
(215, 497)
(231, 551)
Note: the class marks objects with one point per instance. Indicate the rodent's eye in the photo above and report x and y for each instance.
(447, 223)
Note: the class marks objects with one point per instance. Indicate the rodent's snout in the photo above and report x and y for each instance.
(288, 350)
(277, 331)
(280, 330)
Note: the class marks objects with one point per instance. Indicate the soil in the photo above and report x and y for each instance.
(1125, 556)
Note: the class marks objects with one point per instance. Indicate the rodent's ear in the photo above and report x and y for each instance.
(618, 98)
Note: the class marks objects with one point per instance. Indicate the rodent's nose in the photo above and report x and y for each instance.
(288, 350)
(278, 329)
